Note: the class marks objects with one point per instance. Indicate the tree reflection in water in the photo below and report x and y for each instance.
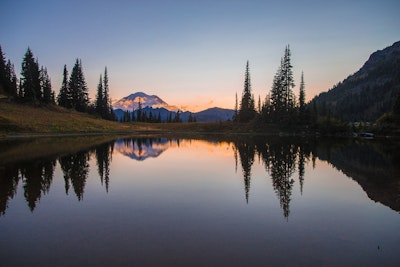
(103, 157)
(36, 177)
(246, 155)
(9, 178)
(371, 164)
(75, 168)
(280, 159)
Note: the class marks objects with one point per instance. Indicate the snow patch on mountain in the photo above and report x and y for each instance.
(157, 107)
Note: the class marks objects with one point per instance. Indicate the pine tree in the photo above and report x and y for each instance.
(287, 80)
(20, 90)
(99, 98)
(11, 79)
(177, 117)
(266, 109)
(302, 94)
(282, 97)
(247, 111)
(30, 81)
(8, 79)
(277, 97)
(64, 96)
(302, 99)
(3, 73)
(103, 105)
(106, 98)
(139, 112)
(78, 88)
(236, 113)
(46, 86)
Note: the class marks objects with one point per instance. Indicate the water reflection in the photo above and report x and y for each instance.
(246, 155)
(103, 158)
(281, 159)
(36, 177)
(9, 178)
(373, 165)
(142, 148)
(75, 168)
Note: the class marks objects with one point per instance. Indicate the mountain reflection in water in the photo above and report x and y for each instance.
(141, 148)
(205, 201)
(370, 164)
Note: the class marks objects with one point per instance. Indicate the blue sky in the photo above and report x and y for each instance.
(193, 53)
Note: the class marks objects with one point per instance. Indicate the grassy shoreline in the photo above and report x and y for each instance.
(29, 120)
(26, 120)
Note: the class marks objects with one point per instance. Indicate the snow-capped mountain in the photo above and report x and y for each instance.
(131, 102)
(157, 107)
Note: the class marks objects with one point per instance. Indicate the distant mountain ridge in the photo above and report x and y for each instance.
(368, 93)
(155, 105)
(214, 114)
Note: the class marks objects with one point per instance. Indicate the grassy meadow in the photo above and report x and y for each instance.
(28, 119)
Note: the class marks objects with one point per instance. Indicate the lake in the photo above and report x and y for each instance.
(199, 201)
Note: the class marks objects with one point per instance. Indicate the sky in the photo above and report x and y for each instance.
(193, 54)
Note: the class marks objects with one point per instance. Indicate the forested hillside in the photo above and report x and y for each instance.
(368, 93)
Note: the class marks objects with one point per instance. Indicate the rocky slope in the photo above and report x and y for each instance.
(368, 93)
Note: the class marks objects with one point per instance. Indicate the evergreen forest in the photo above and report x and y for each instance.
(34, 86)
(358, 104)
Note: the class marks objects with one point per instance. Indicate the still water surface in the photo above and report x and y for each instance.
(216, 201)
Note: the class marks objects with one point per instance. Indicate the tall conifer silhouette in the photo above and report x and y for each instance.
(247, 111)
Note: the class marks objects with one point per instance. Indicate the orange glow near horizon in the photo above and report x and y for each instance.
(228, 102)
(203, 148)
(223, 98)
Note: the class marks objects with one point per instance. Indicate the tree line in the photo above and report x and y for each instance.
(280, 105)
(140, 115)
(283, 108)
(283, 159)
(35, 86)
